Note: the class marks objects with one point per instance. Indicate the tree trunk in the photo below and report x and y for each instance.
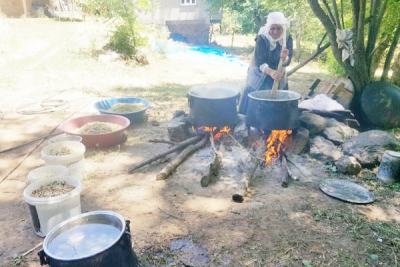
(377, 55)
(396, 71)
(358, 73)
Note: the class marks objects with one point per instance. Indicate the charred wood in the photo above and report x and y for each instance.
(284, 171)
(179, 146)
(247, 176)
(171, 166)
(162, 141)
(212, 172)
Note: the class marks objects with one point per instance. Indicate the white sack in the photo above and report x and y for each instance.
(321, 102)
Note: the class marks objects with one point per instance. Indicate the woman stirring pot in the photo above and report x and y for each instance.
(272, 43)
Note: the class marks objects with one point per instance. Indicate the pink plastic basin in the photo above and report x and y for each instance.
(97, 140)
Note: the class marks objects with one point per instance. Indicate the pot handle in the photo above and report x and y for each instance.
(189, 100)
(43, 258)
(127, 235)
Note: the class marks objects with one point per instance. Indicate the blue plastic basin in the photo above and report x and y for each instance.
(104, 107)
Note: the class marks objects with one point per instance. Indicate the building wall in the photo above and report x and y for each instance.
(192, 22)
(15, 8)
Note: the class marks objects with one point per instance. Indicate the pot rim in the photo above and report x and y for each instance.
(199, 93)
(49, 237)
(296, 95)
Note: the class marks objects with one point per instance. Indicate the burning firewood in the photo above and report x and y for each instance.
(284, 171)
(169, 151)
(245, 180)
(213, 170)
(164, 173)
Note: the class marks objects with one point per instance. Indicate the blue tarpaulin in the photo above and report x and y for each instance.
(203, 54)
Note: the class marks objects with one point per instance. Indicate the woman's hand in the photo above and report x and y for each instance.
(284, 53)
(276, 75)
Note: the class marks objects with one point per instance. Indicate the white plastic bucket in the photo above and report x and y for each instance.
(47, 171)
(47, 212)
(65, 137)
(74, 161)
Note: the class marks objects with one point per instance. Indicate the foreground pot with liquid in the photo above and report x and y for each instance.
(213, 105)
(93, 239)
(280, 113)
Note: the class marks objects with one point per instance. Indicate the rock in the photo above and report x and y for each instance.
(314, 123)
(338, 132)
(324, 150)
(178, 113)
(368, 147)
(300, 142)
(349, 165)
(177, 129)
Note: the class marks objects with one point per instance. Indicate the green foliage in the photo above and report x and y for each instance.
(395, 187)
(126, 32)
(245, 16)
(332, 65)
(319, 215)
(17, 260)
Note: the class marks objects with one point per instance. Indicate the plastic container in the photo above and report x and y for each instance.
(135, 117)
(47, 171)
(48, 212)
(100, 140)
(74, 160)
(65, 137)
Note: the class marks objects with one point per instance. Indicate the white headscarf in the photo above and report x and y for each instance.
(279, 19)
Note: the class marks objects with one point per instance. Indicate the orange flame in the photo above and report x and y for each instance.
(275, 143)
(222, 131)
(211, 129)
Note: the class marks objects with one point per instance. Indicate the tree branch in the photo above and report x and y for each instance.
(389, 57)
(336, 14)
(376, 15)
(329, 13)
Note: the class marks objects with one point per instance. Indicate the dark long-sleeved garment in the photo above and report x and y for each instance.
(262, 55)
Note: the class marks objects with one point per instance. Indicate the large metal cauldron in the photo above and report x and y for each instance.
(280, 113)
(213, 105)
(93, 239)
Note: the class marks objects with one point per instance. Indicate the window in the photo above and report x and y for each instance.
(188, 2)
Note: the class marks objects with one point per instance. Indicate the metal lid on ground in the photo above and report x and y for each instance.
(346, 191)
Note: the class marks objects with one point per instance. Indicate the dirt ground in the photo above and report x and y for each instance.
(275, 226)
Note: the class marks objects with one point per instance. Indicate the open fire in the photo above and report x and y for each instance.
(276, 142)
(217, 132)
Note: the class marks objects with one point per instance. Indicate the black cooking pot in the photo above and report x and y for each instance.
(93, 239)
(280, 113)
(213, 106)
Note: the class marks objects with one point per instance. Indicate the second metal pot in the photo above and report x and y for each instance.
(280, 113)
(213, 106)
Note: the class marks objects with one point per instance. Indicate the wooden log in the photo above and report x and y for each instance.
(389, 168)
(169, 151)
(284, 171)
(164, 173)
(245, 180)
(212, 172)
(162, 141)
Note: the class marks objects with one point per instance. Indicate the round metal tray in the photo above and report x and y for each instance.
(346, 191)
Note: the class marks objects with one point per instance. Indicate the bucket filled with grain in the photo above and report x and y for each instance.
(47, 171)
(51, 201)
(70, 154)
